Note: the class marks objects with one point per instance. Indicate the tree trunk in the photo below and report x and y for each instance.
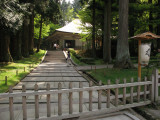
(19, 44)
(31, 34)
(13, 46)
(93, 31)
(40, 33)
(107, 32)
(158, 27)
(123, 55)
(5, 55)
(131, 25)
(132, 29)
(150, 17)
(25, 38)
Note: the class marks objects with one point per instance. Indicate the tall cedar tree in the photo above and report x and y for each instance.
(25, 38)
(123, 55)
(107, 32)
(40, 33)
(158, 25)
(150, 17)
(5, 55)
(93, 30)
(31, 30)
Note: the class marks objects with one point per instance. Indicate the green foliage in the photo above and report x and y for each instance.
(83, 57)
(53, 27)
(140, 14)
(45, 28)
(12, 13)
(49, 10)
(85, 15)
(67, 13)
(76, 7)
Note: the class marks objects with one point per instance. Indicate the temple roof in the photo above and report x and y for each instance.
(71, 30)
(72, 27)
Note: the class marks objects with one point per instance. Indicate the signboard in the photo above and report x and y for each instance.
(145, 50)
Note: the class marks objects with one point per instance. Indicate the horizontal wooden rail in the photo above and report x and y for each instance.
(95, 112)
(94, 88)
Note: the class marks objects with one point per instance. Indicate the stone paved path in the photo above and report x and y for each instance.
(53, 70)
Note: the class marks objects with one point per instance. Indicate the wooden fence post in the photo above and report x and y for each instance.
(131, 91)
(145, 89)
(116, 94)
(70, 99)
(48, 102)
(90, 96)
(138, 90)
(153, 88)
(108, 95)
(99, 96)
(5, 80)
(80, 98)
(24, 104)
(124, 92)
(36, 102)
(11, 104)
(156, 78)
(59, 100)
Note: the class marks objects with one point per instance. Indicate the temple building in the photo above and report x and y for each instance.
(67, 36)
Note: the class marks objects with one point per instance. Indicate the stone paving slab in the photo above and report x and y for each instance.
(53, 74)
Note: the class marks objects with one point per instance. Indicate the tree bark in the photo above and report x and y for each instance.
(158, 27)
(5, 55)
(131, 25)
(40, 33)
(93, 31)
(31, 34)
(19, 44)
(25, 39)
(13, 46)
(132, 29)
(107, 32)
(150, 17)
(123, 55)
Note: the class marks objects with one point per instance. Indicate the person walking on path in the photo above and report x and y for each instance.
(68, 58)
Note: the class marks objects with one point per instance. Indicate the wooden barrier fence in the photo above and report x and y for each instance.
(136, 96)
(156, 84)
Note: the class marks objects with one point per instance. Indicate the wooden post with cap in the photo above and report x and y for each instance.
(139, 37)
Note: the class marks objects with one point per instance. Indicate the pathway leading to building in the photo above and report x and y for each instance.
(54, 70)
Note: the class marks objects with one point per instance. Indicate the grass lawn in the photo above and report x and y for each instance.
(113, 74)
(10, 70)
